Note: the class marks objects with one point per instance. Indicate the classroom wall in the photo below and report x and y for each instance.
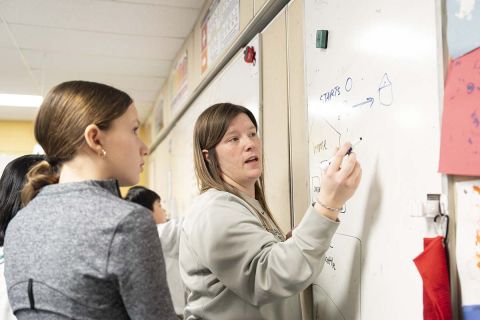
(297, 109)
(193, 47)
(275, 120)
(16, 137)
(248, 9)
(284, 116)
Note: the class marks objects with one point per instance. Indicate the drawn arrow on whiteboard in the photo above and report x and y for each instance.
(369, 100)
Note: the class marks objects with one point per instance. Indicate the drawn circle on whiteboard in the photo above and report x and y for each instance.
(348, 84)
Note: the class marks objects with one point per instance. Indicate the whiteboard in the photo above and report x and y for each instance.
(238, 83)
(380, 79)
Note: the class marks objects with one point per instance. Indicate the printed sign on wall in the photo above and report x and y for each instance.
(220, 26)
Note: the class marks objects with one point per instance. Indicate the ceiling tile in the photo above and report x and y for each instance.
(14, 76)
(129, 44)
(96, 64)
(197, 4)
(17, 84)
(52, 78)
(17, 113)
(91, 43)
(102, 16)
(5, 41)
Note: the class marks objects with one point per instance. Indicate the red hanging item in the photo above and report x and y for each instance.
(249, 55)
(433, 267)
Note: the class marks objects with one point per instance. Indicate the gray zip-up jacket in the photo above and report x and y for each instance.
(77, 250)
(235, 269)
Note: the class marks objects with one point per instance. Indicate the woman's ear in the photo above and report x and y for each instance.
(205, 155)
(94, 136)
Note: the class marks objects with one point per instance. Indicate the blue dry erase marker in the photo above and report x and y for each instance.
(324, 165)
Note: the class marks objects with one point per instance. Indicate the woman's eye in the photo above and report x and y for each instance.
(234, 139)
(253, 134)
(135, 130)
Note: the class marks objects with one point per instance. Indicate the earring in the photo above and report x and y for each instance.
(103, 154)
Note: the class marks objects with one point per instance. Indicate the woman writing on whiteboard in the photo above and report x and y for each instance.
(234, 259)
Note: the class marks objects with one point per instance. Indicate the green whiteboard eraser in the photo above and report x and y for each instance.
(322, 39)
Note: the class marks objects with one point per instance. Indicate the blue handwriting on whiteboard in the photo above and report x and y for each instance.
(385, 91)
(369, 100)
(327, 96)
(348, 84)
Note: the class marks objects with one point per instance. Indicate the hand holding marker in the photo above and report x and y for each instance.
(324, 165)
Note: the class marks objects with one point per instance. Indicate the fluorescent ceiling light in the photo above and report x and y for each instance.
(20, 100)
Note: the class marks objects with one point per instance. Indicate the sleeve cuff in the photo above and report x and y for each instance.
(315, 230)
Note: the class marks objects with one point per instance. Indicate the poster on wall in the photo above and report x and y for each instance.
(179, 83)
(460, 140)
(158, 117)
(467, 196)
(219, 27)
(463, 25)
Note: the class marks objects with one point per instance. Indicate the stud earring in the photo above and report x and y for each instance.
(103, 153)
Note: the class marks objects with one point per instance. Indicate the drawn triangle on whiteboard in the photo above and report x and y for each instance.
(385, 91)
(385, 82)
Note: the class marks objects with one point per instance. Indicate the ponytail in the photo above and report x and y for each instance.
(40, 175)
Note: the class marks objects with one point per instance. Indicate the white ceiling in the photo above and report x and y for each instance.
(129, 44)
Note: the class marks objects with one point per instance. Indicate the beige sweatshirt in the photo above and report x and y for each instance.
(234, 269)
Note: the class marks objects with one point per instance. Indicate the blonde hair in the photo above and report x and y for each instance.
(61, 121)
(209, 130)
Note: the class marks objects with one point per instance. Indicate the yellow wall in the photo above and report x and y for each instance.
(16, 137)
(145, 136)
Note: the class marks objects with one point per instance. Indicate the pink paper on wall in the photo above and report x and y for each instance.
(460, 139)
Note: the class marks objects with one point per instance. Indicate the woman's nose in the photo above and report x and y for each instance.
(144, 149)
(249, 143)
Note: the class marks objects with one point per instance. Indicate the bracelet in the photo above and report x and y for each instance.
(327, 207)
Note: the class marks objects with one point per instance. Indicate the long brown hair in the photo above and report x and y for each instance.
(209, 130)
(68, 109)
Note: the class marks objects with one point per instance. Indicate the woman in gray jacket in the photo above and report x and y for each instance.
(77, 250)
(234, 259)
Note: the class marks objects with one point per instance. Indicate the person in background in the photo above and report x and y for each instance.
(169, 233)
(77, 249)
(234, 259)
(11, 184)
(148, 199)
